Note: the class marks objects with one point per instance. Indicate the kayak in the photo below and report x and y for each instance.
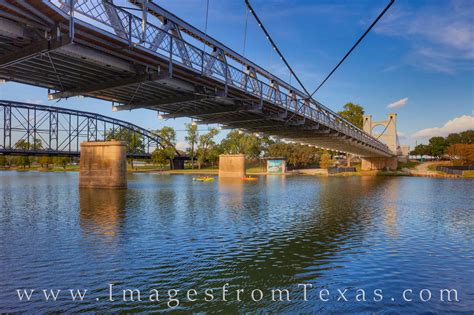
(203, 179)
(249, 178)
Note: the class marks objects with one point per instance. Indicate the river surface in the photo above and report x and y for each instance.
(167, 232)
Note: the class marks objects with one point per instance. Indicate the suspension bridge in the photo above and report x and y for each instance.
(143, 56)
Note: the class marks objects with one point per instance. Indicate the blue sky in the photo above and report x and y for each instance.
(419, 59)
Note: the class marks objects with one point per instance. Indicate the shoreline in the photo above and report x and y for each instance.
(301, 172)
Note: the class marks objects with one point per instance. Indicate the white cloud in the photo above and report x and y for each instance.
(441, 36)
(454, 125)
(401, 135)
(399, 103)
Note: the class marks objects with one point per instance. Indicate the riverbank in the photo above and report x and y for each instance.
(426, 169)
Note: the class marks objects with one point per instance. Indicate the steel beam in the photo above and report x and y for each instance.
(114, 19)
(97, 57)
(162, 79)
(154, 104)
(31, 51)
(217, 111)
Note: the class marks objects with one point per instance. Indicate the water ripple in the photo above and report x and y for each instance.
(168, 232)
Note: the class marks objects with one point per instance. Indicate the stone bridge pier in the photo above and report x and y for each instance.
(379, 163)
(103, 164)
(232, 165)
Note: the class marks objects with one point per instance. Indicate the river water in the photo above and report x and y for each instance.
(166, 232)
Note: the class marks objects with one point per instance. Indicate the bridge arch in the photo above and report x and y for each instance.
(34, 129)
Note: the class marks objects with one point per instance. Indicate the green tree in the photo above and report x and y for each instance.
(168, 134)
(296, 155)
(237, 142)
(160, 156)
(467, 137)
(454, 138)
(22, 144)
(421, 149)
(133, 140)
(3, 161)
(45, 160)
(437, 146)
(205, 145)
(353, 113)
(213, 154)
(168, 143)
(192, 139)
(62, 161)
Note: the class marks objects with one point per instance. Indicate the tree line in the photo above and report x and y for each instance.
(459, 147)
(204, 150)
(25, 161)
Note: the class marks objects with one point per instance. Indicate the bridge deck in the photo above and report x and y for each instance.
(157, 69)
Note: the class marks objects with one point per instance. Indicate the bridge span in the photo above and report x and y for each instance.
(31, 129)
(142, 56)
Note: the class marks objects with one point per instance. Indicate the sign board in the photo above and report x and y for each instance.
(276, 166)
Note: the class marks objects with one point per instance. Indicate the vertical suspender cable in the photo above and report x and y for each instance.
(205, 25)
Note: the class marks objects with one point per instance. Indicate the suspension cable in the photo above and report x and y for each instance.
(205, 25)
(245, 29)
(386, 126)
(274, 45)
(354, 46)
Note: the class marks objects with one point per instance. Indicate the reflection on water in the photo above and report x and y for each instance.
(231, 192)
(167, 232)
(390, 206)
(102, 211)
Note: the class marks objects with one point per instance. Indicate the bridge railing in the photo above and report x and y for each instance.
(138, 32)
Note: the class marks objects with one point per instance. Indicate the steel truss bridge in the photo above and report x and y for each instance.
(142, 56)
(30, 129)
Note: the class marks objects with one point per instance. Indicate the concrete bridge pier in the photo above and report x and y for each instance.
(348, 160)
(379, 163)
(103, 165)
(232, 165)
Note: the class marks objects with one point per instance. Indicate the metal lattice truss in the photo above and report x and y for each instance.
(146, 57)
(45, 130)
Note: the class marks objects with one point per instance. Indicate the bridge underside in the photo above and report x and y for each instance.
(98, 65)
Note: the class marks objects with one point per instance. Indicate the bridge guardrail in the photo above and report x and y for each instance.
(130, 28)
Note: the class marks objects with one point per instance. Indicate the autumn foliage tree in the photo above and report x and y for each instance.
(461, 153)
(325, 160)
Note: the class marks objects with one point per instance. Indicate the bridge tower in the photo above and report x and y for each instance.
(387, 136)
